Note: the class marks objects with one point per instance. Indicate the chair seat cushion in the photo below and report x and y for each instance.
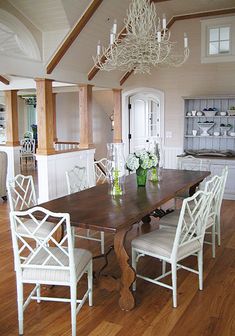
(81, 259)
(42, 232)
(160, 243)
(172, 219)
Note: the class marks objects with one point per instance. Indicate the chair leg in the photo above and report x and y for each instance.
(218, 229)
(134, 264)
(20, 299)
(213, 240)
(38, 293)
(90, 283)
(73, 297)
(102, 242)
(174, 283)
(163, 266)
(200, 268)
(73, 235)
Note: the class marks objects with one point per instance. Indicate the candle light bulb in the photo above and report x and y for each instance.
(115, 26)
(185, 40)
(98, 48)
(112, 37)
(164, 21)
(159, 36)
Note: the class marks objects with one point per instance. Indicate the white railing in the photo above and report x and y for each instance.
(66, 145)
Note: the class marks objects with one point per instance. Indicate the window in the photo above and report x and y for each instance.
(218, 40)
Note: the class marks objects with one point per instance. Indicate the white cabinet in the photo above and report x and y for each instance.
(216, 167)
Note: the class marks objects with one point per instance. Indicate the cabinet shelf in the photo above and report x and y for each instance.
(210, 117)
(210, 136)
(191, 123)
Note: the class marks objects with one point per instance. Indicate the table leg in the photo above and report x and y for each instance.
(126, 301)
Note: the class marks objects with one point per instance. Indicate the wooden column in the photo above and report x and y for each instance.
(85, 116)
(45, 114)
(54, 116)
(12, 133)
(117, 115)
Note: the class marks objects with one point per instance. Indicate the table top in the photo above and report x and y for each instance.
(94, 208)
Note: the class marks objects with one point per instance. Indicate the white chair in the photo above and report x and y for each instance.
(101, 168)
(38, 263)
(27, 151)
(216, 186)
(77, 181)
(218, 206)
(189, 162)
(21, 194)
(172, 245)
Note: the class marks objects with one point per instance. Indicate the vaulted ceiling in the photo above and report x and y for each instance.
(55, 18)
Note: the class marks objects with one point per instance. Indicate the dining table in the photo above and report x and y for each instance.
(96, 209)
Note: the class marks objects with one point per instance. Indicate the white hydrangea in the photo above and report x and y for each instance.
(132, 162)
(143, 159)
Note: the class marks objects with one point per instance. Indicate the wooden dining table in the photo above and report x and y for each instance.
(96, 209)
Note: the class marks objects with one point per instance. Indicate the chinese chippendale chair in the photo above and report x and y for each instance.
(77, 181)
(171, 245)
(47, 261)
(21, 194)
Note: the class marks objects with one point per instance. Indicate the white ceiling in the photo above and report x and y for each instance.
(57, 15)
(46, 15)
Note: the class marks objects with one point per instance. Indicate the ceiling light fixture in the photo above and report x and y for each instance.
(145, 43)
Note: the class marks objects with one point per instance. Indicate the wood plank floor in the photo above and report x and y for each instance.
(200, 313)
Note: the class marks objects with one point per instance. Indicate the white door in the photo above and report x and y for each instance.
(144, 121)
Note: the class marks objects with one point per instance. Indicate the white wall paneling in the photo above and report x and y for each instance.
(170, 156)
(51, 172)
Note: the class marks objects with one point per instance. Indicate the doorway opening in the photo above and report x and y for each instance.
(143, 119)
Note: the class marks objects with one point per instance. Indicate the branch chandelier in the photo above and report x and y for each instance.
(145, 43)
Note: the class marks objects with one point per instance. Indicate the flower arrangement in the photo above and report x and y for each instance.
(141, 159)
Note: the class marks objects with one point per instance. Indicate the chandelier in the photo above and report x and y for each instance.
(144, 44)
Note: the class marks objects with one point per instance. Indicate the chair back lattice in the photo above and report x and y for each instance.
(21, 193)
(191, 163)
(39, 253)
(27, 146)
(101, 168)
(214, 186)
(193, 219)
(223, 183)
(76, 179)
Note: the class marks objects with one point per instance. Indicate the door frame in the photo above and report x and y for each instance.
(159, 95)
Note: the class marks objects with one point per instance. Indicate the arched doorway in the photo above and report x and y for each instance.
(143, 118)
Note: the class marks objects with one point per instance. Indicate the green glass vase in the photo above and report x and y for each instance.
(141, 176)
(153, 176)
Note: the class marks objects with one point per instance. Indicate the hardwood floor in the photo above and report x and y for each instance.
(207, 312)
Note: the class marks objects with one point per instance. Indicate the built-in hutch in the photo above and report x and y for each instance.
(209, 124)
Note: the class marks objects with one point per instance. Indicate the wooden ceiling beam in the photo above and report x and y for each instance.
(73, 35)
(185, 17)
(4, 80)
